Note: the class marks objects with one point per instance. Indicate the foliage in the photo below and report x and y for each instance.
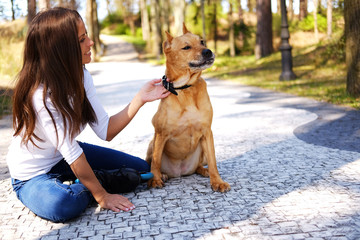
(247, 33)
(113, 18)
(307, 24)
(194, 20)
(334, 51)
(113, 24)
(121, 29)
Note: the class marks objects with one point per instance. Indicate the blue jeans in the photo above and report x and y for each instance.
(47, 196)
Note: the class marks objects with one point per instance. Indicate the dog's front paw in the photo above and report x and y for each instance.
(156, 183)
(220, 186)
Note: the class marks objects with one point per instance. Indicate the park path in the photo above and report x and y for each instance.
(293, 165)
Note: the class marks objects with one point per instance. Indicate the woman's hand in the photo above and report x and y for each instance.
(152, 91)
(116, 202)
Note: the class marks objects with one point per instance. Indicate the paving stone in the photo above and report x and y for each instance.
(54, 237)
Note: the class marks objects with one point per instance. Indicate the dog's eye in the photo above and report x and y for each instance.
(186, 48)
(202, 42)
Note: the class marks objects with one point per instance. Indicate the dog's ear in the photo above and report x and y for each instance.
(185, 30)
(167, 43)
(169, 37)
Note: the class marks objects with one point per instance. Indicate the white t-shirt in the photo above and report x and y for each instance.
(26, 162)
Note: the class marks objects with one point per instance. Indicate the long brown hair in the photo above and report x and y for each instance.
(53, 59)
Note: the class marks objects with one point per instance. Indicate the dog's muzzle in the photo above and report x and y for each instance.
(207, 59)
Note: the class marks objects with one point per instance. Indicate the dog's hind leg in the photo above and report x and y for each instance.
(158, 147)
(149, 152)
(202, 171)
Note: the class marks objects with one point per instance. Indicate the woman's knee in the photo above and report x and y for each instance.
(67, 207)
(55, 202)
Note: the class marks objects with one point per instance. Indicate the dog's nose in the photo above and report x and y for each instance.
(207, 53)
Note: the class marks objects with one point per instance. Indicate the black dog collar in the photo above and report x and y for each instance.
(170, 86)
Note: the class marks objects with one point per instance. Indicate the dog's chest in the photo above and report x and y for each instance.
(190, 119)
(185, 129)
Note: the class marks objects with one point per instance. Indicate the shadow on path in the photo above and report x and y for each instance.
(336, 127)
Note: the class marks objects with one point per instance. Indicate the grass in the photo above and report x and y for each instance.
(320, 74)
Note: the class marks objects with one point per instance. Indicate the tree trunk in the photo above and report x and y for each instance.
(68, 4)
(240, 12)
(155, 28)
(93, 26)
(278, 7)
(291, 9)
(352, 33)
(89, 17)
(231, 31)
(145, 25)
(215, 25)
(73, 5)
(329, 18)
(31, 10)
(264, 43)
(12, 10)
(96, 30)
(179, 16)
(302, 9)
(108, 7)
(202, 5)
(165, 16)
(129, 18)
(316, 30)
(241, 21)
(44, 4)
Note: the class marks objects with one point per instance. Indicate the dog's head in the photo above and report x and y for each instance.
(186, 53)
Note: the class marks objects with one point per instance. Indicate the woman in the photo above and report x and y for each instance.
(53, 101)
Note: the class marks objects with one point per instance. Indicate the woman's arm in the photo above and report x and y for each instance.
(149, 92)
(85, 174)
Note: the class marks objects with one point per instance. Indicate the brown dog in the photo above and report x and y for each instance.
(183, 141)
